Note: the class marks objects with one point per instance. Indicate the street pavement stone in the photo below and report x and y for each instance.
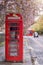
(5, 63)
(26, 55)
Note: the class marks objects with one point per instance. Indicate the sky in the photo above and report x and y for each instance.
(41, 10)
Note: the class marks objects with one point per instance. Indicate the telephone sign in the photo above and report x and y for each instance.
(14, 37)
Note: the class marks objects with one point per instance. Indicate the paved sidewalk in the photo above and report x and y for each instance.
(26, 55)
(14, 63)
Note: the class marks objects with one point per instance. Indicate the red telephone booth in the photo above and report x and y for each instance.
(14, 38)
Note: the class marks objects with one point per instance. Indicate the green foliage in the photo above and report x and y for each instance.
(38, 26)
(1, 44)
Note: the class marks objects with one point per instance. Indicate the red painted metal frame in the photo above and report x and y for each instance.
(7, 37)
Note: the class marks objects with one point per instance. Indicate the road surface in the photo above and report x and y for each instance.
(37, 46)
